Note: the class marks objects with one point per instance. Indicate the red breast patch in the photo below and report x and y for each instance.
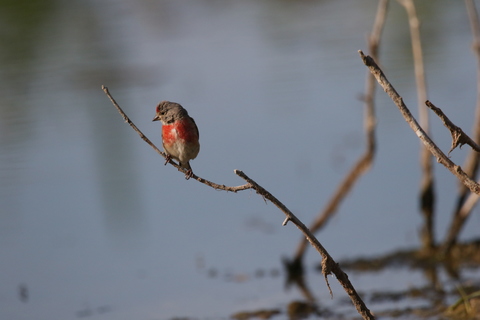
(184, 130)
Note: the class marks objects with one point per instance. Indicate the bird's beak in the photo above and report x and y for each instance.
(157, 117)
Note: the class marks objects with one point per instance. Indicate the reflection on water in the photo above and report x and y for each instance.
(92, 223)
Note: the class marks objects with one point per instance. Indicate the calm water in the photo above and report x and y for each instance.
(93, 225)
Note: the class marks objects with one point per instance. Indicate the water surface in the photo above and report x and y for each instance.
(93, 225)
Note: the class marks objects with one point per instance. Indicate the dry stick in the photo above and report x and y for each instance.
(144, 138)
(466, 200)
(471, 164)
(427, 188)
(329, 265)
(458, 222)
(397, 99)
(365, 161)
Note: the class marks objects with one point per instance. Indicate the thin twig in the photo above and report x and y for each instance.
(427, 185)
(459, 138)
(365, 161)
(466, 200)
(134, 127)
(458, 222)
(471, 163)
(432, 147)
(414, 26)
(144, 138)
(329, 265)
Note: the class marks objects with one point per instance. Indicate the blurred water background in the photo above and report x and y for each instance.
(92, 224)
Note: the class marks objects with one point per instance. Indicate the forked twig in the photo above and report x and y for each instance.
(432, 147)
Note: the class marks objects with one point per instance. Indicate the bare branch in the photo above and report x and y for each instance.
(458, 222)
(329, 265)
(427, 188)
(134, 127)
(364, 163)
(374, 38)
(414, 25)
(397, 99)
(459, 138)
(466, 200)
(471, 163)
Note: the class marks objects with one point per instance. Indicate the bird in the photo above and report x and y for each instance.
(179, 134)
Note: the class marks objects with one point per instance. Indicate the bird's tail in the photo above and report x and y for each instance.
(185, 165)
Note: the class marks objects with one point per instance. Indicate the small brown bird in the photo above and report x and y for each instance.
(179, 134)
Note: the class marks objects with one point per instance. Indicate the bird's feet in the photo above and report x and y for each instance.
(167, 159)
(188, 174)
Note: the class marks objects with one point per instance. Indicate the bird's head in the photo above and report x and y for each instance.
(168, 112)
